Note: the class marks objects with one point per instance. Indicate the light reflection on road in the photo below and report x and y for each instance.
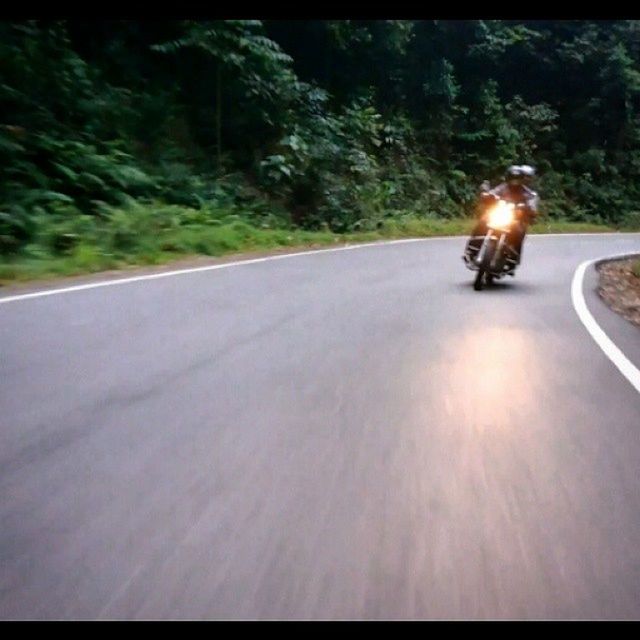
(477, 452)
(488, 377)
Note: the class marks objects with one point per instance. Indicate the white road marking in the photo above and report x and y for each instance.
(211, 267)
(624, 365)
(226, 265)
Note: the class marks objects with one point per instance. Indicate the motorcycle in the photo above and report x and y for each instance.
(496, 258)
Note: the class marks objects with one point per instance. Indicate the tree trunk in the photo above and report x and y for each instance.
(219, 114)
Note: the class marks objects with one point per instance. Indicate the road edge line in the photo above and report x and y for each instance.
(210, 267)
(622, 363)
(166, 274)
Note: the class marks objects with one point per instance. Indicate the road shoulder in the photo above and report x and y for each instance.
(624, 335)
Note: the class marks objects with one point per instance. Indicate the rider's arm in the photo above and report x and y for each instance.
(533, 202)
(492, 194)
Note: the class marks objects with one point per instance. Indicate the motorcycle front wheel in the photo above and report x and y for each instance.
(483, 271)
(478, 282)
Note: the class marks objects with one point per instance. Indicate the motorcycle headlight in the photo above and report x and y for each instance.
(501, 215)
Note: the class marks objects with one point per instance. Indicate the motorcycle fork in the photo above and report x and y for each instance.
(498, 251)
(487, 239)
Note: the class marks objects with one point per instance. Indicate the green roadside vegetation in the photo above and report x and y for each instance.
(128, 142)
(154, 234)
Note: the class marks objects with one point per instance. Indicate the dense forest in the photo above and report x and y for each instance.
(117, 133)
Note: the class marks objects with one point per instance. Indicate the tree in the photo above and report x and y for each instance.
(240, 53)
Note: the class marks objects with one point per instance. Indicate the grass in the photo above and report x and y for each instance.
(635, 268)
(134, 238)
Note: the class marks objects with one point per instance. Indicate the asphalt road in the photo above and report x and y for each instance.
(344, 435)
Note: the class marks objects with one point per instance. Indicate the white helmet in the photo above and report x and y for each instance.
(521, 172)
(527, 170)
(514, 172)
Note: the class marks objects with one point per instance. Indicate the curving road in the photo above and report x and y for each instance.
(348, 434)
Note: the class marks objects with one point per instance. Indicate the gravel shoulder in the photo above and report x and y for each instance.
(619, 287)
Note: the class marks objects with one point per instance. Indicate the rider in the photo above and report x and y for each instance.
(516, 188)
